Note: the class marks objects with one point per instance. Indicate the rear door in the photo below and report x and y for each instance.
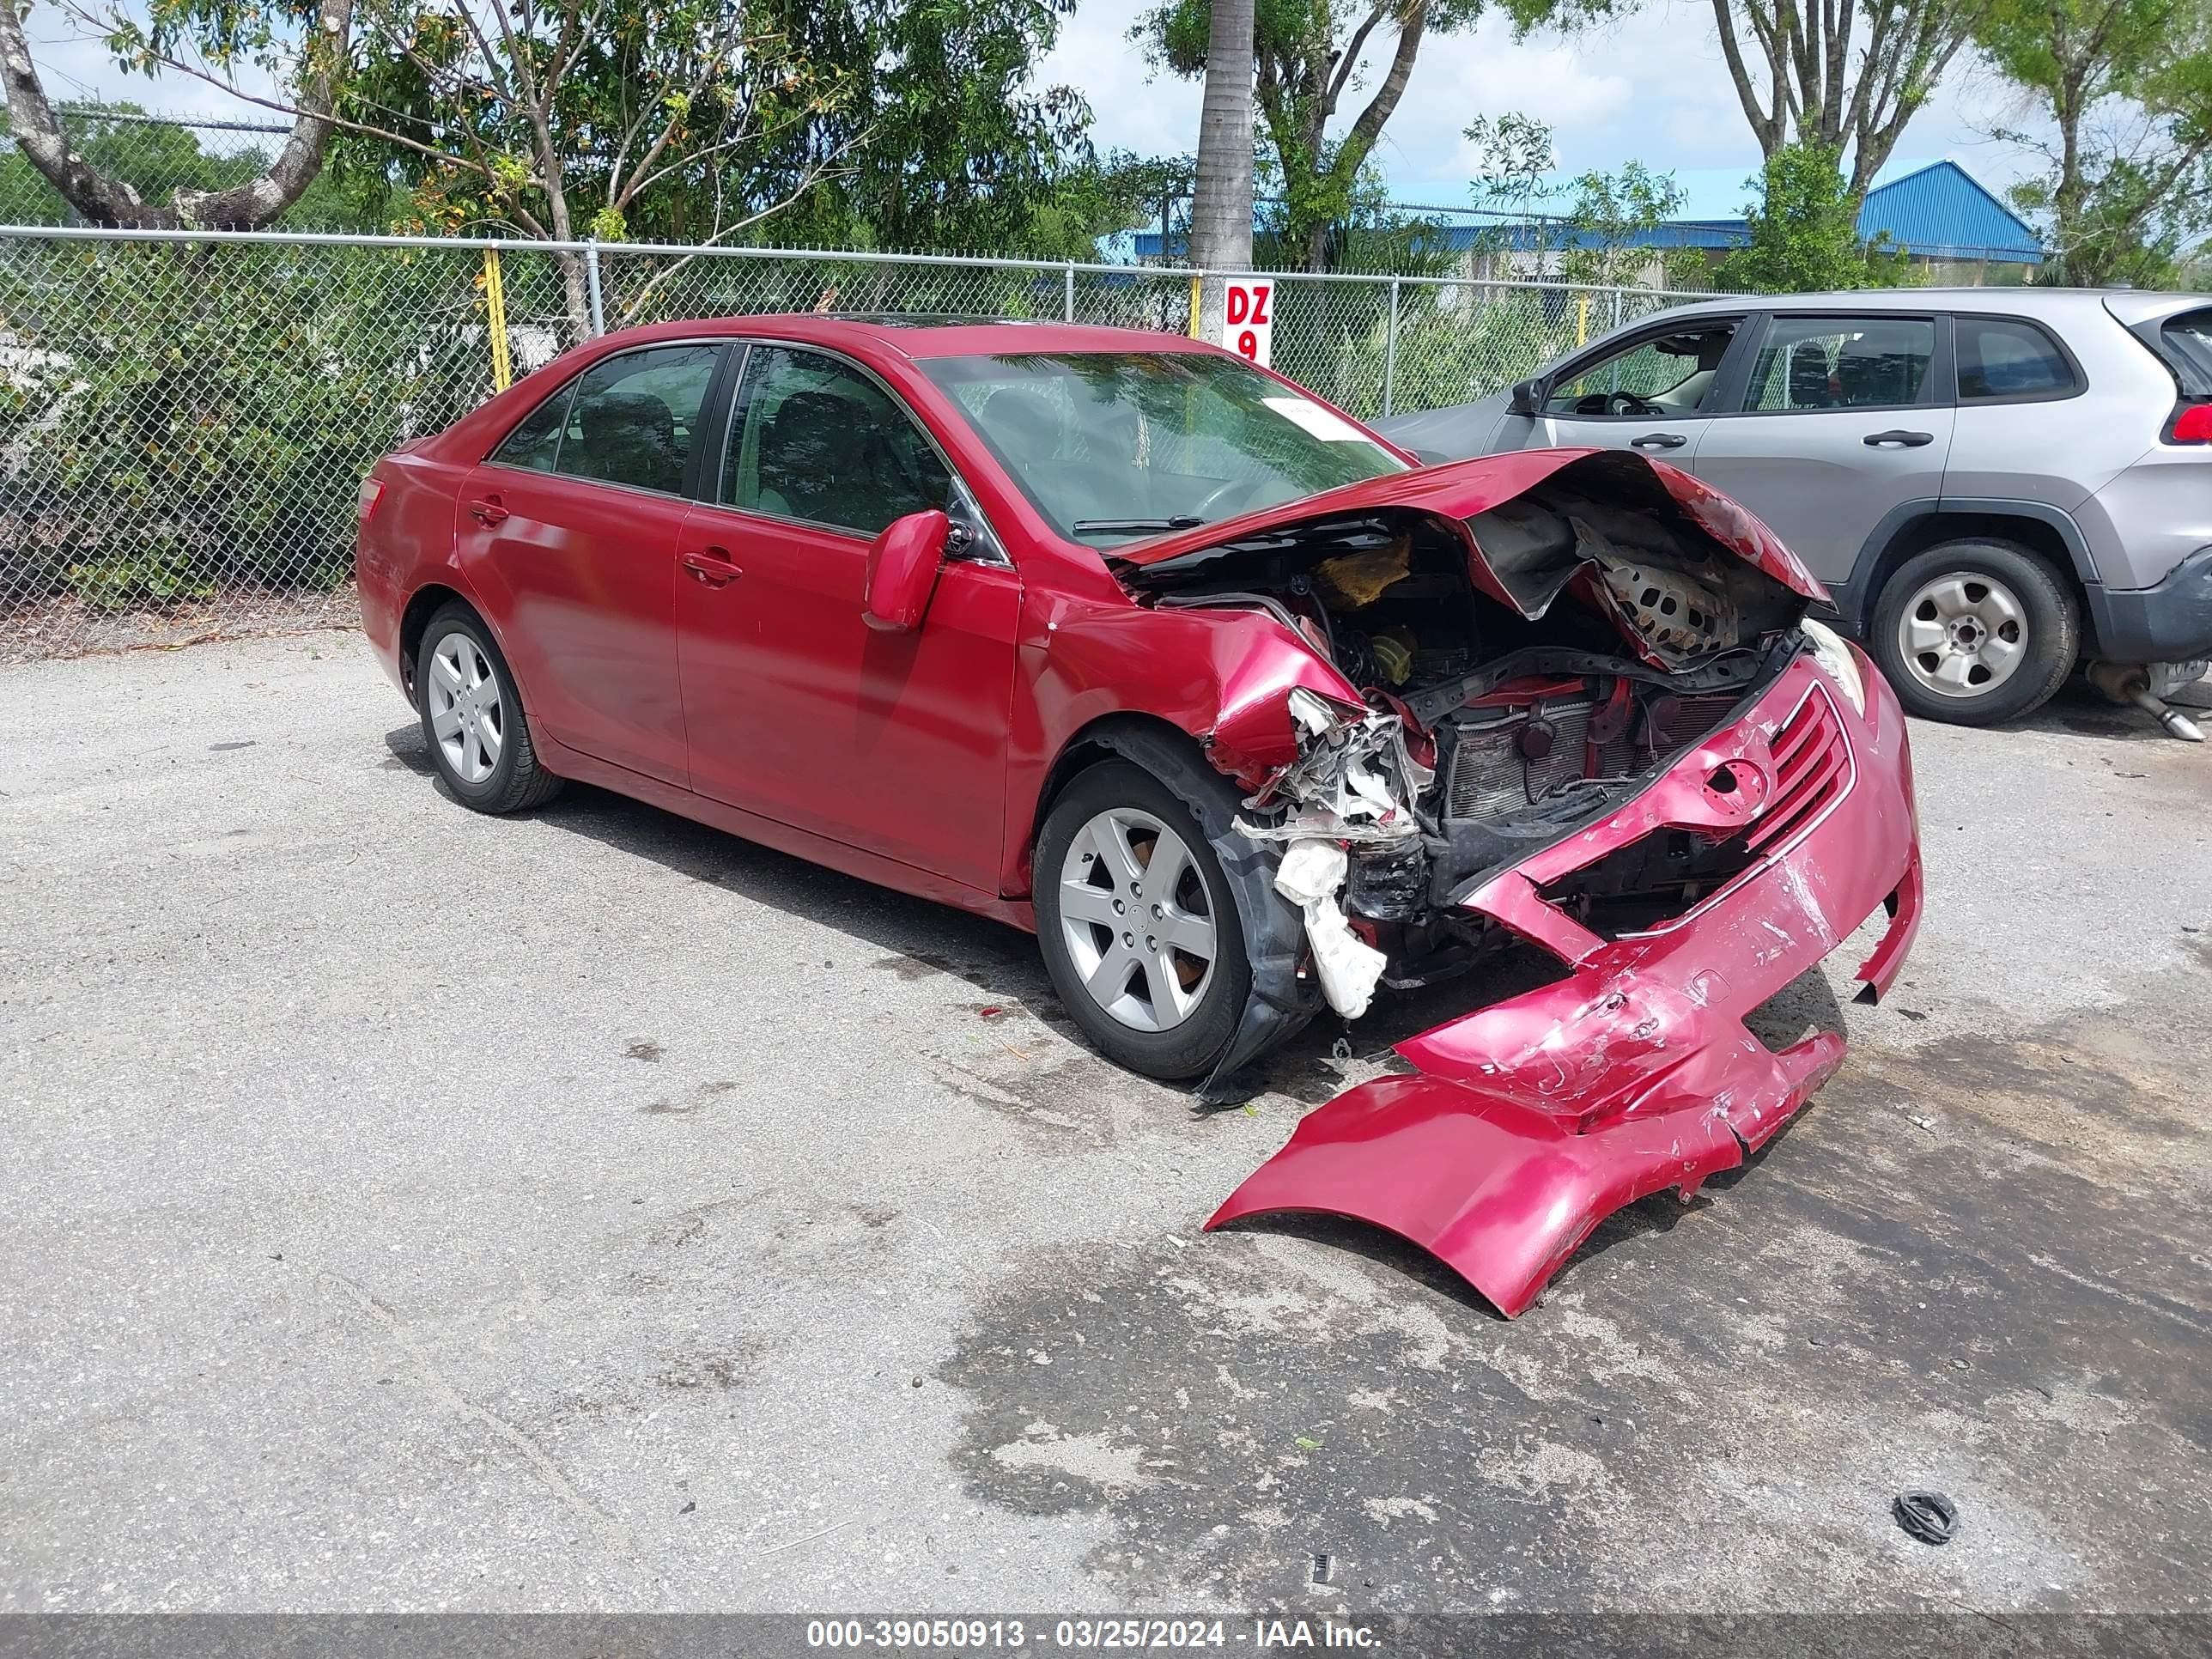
(1842, 418)
(1653, 392)
(569, 532)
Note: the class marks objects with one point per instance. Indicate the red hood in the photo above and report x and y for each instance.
(1465, 489)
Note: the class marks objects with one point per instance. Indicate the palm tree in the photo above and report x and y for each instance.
(1221, 203)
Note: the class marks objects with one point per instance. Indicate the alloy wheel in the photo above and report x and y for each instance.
(1963, 635)
(1137, 920)
(468, 718)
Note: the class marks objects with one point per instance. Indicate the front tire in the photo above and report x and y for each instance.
(1138, 926)
(472, 719)
(1975, 632)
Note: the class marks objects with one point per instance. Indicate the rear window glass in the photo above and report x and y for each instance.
(1999, 357)
(2185, 342)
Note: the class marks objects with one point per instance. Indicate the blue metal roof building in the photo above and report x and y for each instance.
(1938, 212)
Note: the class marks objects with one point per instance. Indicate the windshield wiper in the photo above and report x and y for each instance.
(1133, 526)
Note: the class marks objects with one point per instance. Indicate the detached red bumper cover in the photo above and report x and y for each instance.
(1530, 1121)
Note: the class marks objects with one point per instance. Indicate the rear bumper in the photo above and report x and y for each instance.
(2170, 622)
(1530, 1121)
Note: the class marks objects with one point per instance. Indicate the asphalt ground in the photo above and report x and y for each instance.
(409, 1210)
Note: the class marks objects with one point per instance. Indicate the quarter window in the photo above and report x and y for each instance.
(634, 416)
(813, 438)
(2002, 358)
(1842, 362)
(534, 443)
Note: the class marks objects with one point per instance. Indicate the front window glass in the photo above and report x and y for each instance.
(1673, 375)
(813, 438)
(1842, 362)
(1110, 446)
(634, 417)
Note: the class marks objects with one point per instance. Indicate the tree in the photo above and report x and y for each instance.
(1805, 234)
(1845, 75)
(1601, 235)
(947, 144)
(2127, 85)
(157, 158)
(1308, 57)
(551, 118)
(1221, 199)
(309, 63)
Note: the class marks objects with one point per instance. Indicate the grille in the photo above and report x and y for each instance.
(1812, 769)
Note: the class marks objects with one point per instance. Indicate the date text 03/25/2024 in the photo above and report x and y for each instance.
(1092, 1634)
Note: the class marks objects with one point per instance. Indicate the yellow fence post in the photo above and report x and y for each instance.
(1582, 318)
(503, 366)
(1197, 305)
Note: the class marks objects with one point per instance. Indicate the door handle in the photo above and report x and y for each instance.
(488, 511)
(1658, 440)
(710, 566)
(1903, 439)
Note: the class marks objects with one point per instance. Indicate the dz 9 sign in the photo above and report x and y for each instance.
(1249, 320)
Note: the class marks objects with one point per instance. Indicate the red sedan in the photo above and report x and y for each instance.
(1124, 641)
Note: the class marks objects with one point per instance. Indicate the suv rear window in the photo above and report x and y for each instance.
(2002, 357)
(2185, 342)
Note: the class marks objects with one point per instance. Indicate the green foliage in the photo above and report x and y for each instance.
(158, 158)
(2125, 87)
(181, 412)
(1310, 55)
(1601, 235)
(1804, 231)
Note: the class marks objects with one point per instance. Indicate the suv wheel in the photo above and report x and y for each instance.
(1975, 632)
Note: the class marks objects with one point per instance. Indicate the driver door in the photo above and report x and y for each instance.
(1654, 392)
(795, 708)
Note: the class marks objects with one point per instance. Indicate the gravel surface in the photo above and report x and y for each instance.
(409, 1210)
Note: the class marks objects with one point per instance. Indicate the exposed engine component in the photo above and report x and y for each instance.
(1679, 617)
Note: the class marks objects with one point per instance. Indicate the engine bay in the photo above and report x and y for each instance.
(1509, 698)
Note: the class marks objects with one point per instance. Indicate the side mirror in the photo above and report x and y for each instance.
(902, 570)
(1527, 396)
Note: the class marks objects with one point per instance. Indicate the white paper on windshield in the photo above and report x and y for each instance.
(1324, 423)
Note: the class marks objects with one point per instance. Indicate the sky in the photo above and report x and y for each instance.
(1651, 88)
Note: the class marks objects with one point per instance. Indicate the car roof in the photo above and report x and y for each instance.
(2056, 302)
(921, 334)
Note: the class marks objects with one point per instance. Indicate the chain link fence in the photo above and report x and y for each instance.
(186, 418)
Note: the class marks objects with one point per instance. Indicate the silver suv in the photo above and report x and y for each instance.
(1993, 483)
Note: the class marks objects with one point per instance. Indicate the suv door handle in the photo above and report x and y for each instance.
(1903, 439)
(1658, 440)
(711, 567)
(488, 511)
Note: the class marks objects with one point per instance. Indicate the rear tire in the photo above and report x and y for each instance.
(1975, 632)
(1121, 971)
(473, 723)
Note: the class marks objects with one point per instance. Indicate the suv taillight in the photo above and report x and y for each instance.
(372, 491)
(2192, 424)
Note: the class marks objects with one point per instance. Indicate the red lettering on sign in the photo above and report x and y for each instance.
(1248, 345)
(1259, 304)
(1240, 303)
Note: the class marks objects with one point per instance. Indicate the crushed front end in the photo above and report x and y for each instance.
(1621, 741)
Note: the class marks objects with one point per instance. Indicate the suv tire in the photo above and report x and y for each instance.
(1945, 617)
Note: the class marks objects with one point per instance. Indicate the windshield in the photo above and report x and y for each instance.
(1111, 447)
